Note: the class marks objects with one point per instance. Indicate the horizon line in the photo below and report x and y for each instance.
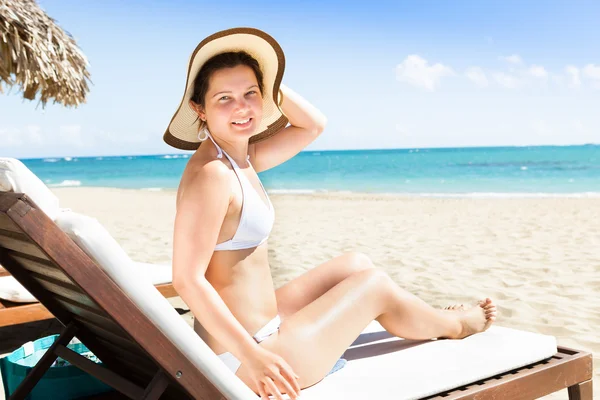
(334, 150)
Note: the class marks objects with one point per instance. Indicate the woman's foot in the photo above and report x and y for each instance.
(475, 319)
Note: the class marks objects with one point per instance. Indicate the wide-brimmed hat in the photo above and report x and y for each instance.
(182, 131)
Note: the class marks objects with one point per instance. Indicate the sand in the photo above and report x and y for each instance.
(539, 259)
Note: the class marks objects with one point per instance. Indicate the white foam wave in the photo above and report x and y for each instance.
(473, 195)
(293, 191)
(51, 160)
(66, 183)
(521, 195)
(170, 156)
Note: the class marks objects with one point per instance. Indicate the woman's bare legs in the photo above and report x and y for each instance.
(306, 288)
(312, 339)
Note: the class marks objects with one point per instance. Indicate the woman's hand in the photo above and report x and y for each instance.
(270, 373)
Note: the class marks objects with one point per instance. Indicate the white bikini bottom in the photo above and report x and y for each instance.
(270, 328)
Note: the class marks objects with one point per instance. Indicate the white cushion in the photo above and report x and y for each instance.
(158, 274)
(381, 366)
(12, 290)
(95, 241)
(16, 177)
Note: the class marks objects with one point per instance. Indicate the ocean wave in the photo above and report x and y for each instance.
(294, 191)
(172, 156)
(509, 195)
(66, 183)
(472, 195)
(51, 160)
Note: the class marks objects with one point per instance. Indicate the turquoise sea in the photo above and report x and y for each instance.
(572, 171)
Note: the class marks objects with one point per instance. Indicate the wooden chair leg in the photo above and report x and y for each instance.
(581, 391)
(156, 387)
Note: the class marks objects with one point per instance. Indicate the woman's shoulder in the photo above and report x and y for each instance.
(206, 172)
(204, 166)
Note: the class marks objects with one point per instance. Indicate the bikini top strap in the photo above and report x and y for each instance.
(220, 155)
(221, 152)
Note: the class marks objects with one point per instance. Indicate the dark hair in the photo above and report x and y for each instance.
(220, 61)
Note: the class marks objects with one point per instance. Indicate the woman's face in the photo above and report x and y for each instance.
(233, 103)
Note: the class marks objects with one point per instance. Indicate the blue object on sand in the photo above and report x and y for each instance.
(62, 381)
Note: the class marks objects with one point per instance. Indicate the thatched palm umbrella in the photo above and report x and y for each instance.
(38, 56)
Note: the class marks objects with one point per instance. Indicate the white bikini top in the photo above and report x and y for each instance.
(257, 218)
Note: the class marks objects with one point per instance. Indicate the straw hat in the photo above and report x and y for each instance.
(182, 132)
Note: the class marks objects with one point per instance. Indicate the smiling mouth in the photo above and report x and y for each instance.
(242, 121)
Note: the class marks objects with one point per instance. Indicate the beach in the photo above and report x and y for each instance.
(538, 258)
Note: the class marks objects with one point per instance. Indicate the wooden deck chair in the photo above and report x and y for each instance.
(24, 312)
(17, 306)
(148, 351)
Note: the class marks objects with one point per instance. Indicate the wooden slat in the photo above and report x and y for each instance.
(40, 266)
(90, 339)
(581, 391)
(7, 224)
(44, 279)
(18, 313)
(156, 387)
(167, 290)
(8, 200)
(68, 293)
(98, 317)
(127, 355)
(530, 382)
(105, 375)
(20, 243)
(118, 340)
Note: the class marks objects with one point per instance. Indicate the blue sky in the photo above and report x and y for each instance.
(387, 75)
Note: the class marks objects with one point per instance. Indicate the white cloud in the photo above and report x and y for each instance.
(71, 135)
(477, 75)
(505, 80)
(541, 128)
(402, 130)
(112, 137)
(10, 137)
(416, 71)
(34, 135)
(574, 75)
(538, 71)
(578, 126)
(513, 59)
(592, 72)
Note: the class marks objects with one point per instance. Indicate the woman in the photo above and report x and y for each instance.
(275, 341)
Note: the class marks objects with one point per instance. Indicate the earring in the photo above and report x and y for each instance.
(203, 134)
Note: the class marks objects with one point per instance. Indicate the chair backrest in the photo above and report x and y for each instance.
(123, 327)
(17, 178)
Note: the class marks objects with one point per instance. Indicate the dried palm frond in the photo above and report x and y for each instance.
(37, 56)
